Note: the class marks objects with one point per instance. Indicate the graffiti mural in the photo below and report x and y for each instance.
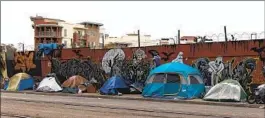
(202, 64)
(216, 71)
(139, 55)
(179, 58)
(24, 62)
(261, 53)
(84, 68)
(112, 60)
(3, 69)
(166, 55)
(216, 67)
(78, 53)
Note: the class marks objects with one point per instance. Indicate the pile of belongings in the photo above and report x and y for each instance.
(49, 84)
(19, 82)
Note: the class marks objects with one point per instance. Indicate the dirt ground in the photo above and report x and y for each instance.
(44, 106)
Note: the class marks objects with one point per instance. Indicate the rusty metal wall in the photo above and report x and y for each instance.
(238, 50)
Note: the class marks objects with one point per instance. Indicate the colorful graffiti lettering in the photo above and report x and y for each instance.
(24, 61)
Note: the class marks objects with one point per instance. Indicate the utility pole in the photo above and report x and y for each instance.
(225, 34)
(178, 36)
(139, 39)
(103, 38)
(23, 47)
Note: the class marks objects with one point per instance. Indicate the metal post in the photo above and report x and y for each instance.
(178, 36)
(139, 38)
(225, 34)
(23, 47)
(103, 38)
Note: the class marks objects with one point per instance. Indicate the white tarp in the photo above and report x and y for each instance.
(49, 84)
(226, 90)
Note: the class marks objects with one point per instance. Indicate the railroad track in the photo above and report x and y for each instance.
(13, 116)
(111, 109)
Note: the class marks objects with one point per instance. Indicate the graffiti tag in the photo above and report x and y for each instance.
(24, 61)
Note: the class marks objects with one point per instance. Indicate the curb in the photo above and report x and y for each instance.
(142, 99)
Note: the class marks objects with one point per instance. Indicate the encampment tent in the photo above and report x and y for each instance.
(174, 79)
(227, 90)
(78, 83)
(114, 85)
(74, 81)
(20, 81)
(49, 84)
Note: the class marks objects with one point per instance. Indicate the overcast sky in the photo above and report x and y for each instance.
(157, 18)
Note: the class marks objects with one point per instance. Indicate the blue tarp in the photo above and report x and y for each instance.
(181, 89)
(112, 85)
(47, 48)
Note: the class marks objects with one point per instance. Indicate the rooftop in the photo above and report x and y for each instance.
(91, 23)
(40, 17)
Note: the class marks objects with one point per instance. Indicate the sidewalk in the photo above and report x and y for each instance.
(139, 97)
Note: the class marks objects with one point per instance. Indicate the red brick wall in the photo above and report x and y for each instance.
(238, 50)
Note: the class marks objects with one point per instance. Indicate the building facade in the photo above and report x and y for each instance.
(131, 40)
(47, 30)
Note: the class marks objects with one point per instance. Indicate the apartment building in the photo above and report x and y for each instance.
(48, 30)
(131, 40)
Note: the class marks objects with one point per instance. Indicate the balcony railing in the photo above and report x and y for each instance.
(47, 34)
(81, 36)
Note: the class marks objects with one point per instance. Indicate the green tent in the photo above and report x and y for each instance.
(227, 90)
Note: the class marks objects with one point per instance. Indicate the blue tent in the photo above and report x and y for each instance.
(19, 82)
(114, 85)
(174, 79)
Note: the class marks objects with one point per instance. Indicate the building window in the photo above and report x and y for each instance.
(80, 33)
(91, 33)
(65, 32)
(65, 43)
(90, 44)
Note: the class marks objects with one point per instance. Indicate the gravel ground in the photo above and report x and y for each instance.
(77, 107)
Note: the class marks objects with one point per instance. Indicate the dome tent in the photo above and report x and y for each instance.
(174, 79)
(20, 81)
(113, 86)
(227, 90)
(49, 84)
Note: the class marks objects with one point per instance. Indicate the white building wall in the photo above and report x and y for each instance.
(69, 28)
(133, 40)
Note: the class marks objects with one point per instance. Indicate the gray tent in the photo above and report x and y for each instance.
(227, 90)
